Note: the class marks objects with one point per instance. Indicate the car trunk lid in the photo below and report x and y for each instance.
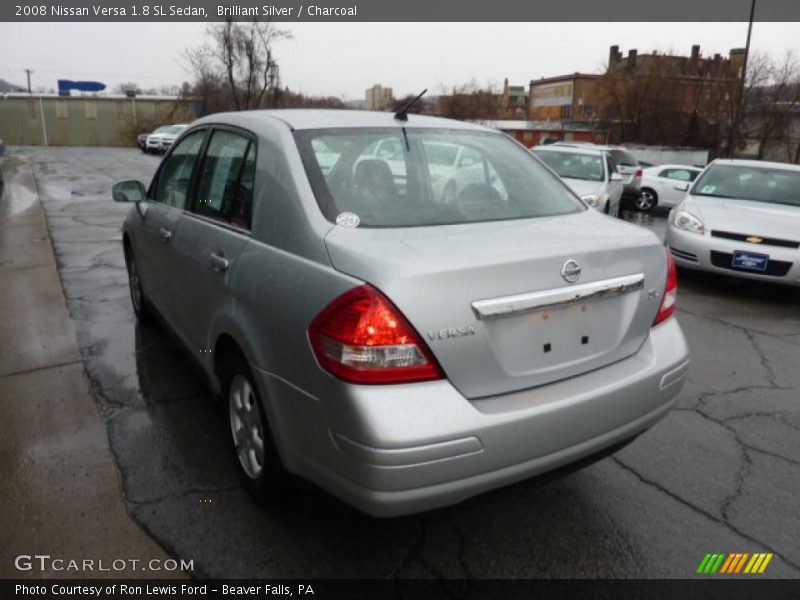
(491, 302)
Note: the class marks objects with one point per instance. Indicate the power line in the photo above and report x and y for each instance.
(70, 72)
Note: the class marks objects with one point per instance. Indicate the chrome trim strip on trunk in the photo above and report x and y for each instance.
(556, 297)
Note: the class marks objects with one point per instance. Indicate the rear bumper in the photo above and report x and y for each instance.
(394, 450)
(712, 254)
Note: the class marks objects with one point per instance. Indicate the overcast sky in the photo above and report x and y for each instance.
(344, 59)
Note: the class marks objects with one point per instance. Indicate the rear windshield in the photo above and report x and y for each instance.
(760, 184)
(428, 177)
(624, 158)
(573, 165)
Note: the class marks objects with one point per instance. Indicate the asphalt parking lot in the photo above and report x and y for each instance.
(720, 474)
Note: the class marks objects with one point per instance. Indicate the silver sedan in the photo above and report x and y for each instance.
(741, 218)
(400, 351)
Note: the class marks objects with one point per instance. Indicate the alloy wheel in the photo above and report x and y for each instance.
(645, 201)
(135, 284)
(246, 426)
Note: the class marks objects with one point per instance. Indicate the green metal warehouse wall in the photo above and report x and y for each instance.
(85, 121)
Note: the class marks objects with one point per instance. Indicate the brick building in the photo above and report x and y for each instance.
(514, 102)
(568, 97)
(702, 82)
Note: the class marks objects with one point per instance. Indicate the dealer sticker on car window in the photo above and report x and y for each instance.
(708, 189)
(348, 219)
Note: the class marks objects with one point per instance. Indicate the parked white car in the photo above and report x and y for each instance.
(740, 218)
(591, 173)
(162, 138)
(452, 168)
(659, 185)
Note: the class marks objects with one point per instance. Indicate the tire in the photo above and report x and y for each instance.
(647, 200)
(449, 193)
(141, 306)
(259, 463)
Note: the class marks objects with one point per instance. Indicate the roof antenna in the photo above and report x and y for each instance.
(401, 115)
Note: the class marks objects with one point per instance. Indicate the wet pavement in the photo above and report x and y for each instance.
(720, 474)
(60, 491)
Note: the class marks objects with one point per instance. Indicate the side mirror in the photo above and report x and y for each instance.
(682, 187)
(616, 177)
(128, 191)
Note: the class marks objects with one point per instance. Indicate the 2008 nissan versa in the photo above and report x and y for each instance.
(402, 348)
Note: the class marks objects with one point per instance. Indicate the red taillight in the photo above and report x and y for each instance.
(669, 300)
(362, 337)
(639, 173)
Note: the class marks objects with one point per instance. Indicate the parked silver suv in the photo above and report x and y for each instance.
(401, 349)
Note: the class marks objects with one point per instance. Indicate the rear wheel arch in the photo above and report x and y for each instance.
(127, 246)
(228, 353)
(233, 369)
(647, 188)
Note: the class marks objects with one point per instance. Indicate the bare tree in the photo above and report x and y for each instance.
(237, 68)
(128, 86)
(773, 107)
(470, 101)
(640, 98)
(420, 107)
(732, 103)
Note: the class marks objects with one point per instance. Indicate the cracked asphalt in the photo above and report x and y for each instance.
(721, 473)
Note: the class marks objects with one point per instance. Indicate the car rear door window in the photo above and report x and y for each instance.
(175, 175)
(242, 212)
(679, 174)
(225, 183)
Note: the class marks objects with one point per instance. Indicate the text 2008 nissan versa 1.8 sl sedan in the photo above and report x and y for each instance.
(400, 349)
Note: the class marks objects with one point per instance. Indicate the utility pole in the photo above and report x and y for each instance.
(742, 81)
(28, 73)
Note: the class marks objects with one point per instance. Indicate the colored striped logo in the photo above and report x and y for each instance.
(735, 563)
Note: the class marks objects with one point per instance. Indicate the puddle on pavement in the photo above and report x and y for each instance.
(23, 195)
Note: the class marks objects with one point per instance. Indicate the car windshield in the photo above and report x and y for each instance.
(756, 183)
(173, 129)
(163, 129)
(624, 158)
(418, 177)
(573, 165)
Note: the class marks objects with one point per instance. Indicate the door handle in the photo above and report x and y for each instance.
(219, 262)
(166, 234)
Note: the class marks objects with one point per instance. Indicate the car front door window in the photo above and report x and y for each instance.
(172, 184)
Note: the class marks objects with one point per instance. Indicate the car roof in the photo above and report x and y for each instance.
(569, 149)
(620, 148)
(739, 162)
(310, 118)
